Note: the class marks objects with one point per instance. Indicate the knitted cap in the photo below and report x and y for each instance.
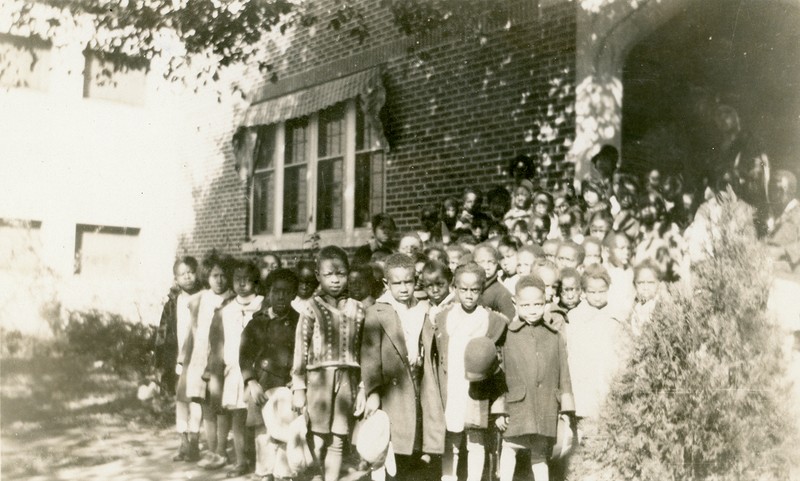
(480, 359)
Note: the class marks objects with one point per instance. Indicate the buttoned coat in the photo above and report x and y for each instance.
(266, 354)
(385, 370)
(537, 376)
(435, 342)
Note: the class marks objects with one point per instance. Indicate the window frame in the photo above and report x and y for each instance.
(347, 236)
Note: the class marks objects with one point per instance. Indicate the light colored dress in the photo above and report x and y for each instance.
(209, 302)
(235, 316)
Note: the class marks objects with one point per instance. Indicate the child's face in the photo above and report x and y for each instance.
(436, 255)
(561, 206)
(567, 256)
(550, 278)
(538, 231)
(383, 235)
(450, 211)
(525, 262)
(452, 259)
(332, 277)
(508, 260)
(186, 277)
(307, 283)
(400, 283)
(268, 264)
(357, 287)
(217, 280)
(570, 292)
(521, 234)
(590, 197)
(436, 286)
(542, 205)
(487, 260)
(592, 254)
(281, 294)
(597, 293)
(243, 285)
(621, 251)
(599, 228)
(550, 248)
(530, 304)
(409, 246)
(522, 197)
(468, 289)
(469, 201)
(646, 284)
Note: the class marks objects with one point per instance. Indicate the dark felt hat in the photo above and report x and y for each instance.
(480, 359)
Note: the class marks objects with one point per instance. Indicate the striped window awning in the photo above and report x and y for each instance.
(367, 84)
(313, 99)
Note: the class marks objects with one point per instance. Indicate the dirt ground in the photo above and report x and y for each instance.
(61, 419)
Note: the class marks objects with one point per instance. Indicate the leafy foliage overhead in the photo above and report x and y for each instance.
(196, 40)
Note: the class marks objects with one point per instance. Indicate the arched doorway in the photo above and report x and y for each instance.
(719, 79)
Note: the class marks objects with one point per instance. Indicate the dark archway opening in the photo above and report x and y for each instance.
(721, 78)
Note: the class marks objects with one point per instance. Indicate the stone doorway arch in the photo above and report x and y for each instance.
(607, 31)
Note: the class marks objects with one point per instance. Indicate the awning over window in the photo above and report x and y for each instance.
(304, 102)
(367, 84)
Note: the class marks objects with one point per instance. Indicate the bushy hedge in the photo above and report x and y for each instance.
(122, 346)
(703, 395)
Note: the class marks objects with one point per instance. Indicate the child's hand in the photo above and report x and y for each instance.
(299, 400)
(178, 369)
(256, 392)
(361, 402)
(502, 423)
(372, 405)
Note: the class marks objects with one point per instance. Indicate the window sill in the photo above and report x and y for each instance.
(298, 240)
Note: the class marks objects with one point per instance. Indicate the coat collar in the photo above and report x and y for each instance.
(549, 320)
(390, 323)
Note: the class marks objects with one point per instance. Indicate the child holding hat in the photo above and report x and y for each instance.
(326, 368)
(265, 358)
(391, 361)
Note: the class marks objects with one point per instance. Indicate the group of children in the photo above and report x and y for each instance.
(483, 335)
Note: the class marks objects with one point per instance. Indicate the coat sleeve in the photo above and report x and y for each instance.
(506, 305)
(160, 339)
(305, 327)
(371, 360)
(566, 398)
(248, 351)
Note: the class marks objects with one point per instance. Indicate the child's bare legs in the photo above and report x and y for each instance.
(539, 448)
(239, 423)
(452, 446)
(210, 424)
(476, 453)
(508, 461)
(328, 448)
(223, 428)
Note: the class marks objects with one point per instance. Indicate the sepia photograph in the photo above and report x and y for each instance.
(400, 240)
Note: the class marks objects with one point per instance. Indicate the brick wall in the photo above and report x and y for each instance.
(459, 109)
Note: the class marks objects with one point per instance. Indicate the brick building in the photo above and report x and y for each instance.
(394, 124)
(339, 130)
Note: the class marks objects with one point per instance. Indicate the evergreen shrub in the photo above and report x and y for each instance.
(703, 394)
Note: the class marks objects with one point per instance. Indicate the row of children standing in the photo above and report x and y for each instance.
(444, 348)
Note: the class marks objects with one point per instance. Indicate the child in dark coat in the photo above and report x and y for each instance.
(172, 332)
(265, 359)
(539, 386)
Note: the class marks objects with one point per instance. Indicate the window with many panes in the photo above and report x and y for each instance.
(295, 176)
(263, 181)
(320, 173)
